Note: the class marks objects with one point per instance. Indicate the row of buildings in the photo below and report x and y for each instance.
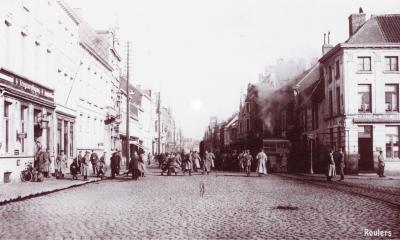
(63, 88)
(349, 99)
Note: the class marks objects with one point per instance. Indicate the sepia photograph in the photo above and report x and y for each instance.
(199, 119)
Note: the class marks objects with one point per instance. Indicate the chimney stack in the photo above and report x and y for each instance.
(356, 21)
(327, 46)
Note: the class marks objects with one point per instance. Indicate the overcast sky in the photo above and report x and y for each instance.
(202, 53)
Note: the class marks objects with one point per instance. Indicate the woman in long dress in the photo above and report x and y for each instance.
(331, 166)
(262, 163)
(207, 163)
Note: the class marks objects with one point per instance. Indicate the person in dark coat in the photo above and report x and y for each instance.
(74, 169)
(341, 163)
(134, 166)
(115, 164)
(94, 159)
(381, 164)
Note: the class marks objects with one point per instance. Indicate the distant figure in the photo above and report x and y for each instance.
(331, 170)
(262, 163)
(196, 159)
(45, 162)
(85, 165)
(247, 162)
(101, 170)
(207, 163)
(381, 164)
(241, 161)
(94, 159)
(74, 169)
(341, 163)
(61, 163)
(79, 158)
(134, 166)
(115, 164)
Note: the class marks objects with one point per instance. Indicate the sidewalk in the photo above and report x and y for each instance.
(11, 192)
(363, 182)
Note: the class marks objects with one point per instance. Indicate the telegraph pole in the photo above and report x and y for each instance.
(127, 109)
(159, 122)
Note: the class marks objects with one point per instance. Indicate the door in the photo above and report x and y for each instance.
(366, 162)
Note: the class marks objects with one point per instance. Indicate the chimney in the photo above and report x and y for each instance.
(327, 46)
(356, 21)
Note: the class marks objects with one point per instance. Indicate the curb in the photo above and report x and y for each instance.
(39, 194)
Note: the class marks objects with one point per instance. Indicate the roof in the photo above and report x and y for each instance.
(232, 121)
(378, 29)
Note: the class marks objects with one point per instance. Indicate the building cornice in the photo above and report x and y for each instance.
(340, 46)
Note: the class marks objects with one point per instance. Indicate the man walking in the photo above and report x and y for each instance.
(94, 159)
(247, 162)
(61, 162)
(115, 164)
(261, 163)
(381, 164)
(342, 165)
(85, 165)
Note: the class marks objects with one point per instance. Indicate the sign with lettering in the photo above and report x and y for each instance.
(26, 85)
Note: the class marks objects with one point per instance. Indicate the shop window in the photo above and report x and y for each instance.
(391, 97)
(71, 139)
(392, 64)
(364, 64)
(364, 98)
(24, 116)
(7, 106)
(392, 141)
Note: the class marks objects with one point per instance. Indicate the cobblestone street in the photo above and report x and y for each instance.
(170, 207)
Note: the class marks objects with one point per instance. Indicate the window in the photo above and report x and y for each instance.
(330, 104)
(364, 98)
(71, 138)
(330, 74)
(338, 103)
(391, 97)
(391, 63)
(24, 115)
(247, 107)
(248, 125)
(364, 63)
(337, 70)
(7, 125)
(392, 141)
(315, 116)
(155, 126)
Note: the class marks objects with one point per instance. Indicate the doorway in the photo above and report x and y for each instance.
(365, 149)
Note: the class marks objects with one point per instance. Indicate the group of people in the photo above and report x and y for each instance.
(137, 164)
(336, 158)
(80, 165)
(245, 160)
(186, 162)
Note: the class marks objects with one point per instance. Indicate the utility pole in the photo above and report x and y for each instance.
(159, 122)
(127, 108)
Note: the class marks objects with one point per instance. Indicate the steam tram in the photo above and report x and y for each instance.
(277, 151)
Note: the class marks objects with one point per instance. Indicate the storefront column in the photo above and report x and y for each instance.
(44, 133)
(62, 134)
(1, 122)
(30, 131)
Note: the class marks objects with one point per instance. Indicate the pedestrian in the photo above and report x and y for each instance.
(262, 163)
(331, 170)
(207, 163)
(115, 164)
(212, 156)
(248, 158)
(79, 158)
(196, 159)
(134, 166)
(74, 169)
(381, 164)
(142, 165)
(342, 165)
(241, 161)
(149, 158)
(85, 165)
(94, 159)
(46, 163)
(101, 171)
(61, 162)
(187, 163)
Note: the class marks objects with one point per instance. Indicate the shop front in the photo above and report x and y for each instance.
(26, 108)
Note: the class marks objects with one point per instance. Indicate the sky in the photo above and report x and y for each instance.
(202, 54)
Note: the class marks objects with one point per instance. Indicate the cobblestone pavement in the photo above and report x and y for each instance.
(170, 207)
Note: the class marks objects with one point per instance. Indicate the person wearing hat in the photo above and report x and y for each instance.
(102, 166)
(61, 162)
(85, 165)
(94, 159)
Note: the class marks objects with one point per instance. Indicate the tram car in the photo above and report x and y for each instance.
(277, 150)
